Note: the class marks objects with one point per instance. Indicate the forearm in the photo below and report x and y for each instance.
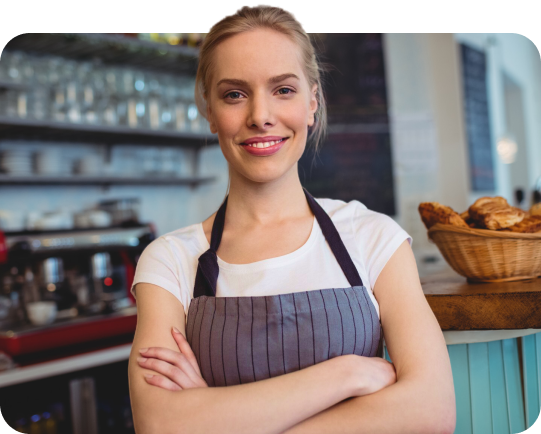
(267, 407)
(405, 407)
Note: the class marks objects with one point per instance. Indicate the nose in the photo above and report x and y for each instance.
(260, 114)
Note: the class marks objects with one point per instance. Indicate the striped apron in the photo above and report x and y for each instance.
(238, 340)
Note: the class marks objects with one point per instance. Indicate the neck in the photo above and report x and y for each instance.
(266, 203)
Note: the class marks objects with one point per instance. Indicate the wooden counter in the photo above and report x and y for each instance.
(459, 305)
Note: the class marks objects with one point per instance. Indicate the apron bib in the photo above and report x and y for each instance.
(238, 340)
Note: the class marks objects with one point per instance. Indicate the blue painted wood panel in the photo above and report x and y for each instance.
(491, 395)
(530, 365)
(498, 393)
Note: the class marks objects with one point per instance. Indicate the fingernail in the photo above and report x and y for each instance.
(176, 330)
(141, 359)
(143, 350)
(149, 375)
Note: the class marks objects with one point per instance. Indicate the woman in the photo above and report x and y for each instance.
(287, 318)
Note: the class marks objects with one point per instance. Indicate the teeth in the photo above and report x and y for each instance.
(265, 144)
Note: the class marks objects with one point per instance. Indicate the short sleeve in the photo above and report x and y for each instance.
(378, 237)
(157, 265)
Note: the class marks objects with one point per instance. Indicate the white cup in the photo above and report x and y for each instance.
(98, 218)
(41, 312)
(54, 220)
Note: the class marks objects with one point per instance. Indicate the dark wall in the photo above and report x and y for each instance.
(355, 160)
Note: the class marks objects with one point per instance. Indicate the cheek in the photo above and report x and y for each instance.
(296, 117)
(228, 122)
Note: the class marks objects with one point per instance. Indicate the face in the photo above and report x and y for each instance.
(260, 96)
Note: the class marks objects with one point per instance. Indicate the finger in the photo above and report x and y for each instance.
(172, 372)
(164, 383)
(185, 349)
(174, 358)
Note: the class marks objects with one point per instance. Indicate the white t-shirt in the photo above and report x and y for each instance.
(371, 238)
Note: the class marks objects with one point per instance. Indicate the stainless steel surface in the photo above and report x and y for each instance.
(70, 240)
(101, 265)
(52, 271)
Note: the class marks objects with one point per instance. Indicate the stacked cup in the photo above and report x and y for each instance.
(17, 162)
(51, 162)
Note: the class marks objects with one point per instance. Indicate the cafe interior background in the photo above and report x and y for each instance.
(102, 150)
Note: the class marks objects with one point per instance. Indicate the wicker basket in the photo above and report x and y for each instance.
(483, 255)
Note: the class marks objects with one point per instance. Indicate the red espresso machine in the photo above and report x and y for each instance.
(63, 288)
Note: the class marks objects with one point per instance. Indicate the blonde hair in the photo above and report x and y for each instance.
(250, 18)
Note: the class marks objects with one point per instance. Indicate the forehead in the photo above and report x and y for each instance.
(256, 55)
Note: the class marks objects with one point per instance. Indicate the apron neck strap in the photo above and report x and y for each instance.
(208, 269)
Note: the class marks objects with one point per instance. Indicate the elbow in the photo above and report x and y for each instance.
(444, 427)
(448, 421)
(154, 425)
(433, 412)
(166, 422)
(443, 418)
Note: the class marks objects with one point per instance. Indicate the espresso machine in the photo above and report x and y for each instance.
(61, 277)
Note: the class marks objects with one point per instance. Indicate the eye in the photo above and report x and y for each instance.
(286, 89)
(233, 95)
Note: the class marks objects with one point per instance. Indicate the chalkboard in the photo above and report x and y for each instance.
(355, 161)
(474, 78)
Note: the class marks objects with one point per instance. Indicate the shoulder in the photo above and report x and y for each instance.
(188, 239)
(373, 237)
(357, 215)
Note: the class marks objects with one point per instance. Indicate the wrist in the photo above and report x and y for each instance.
(348, 369)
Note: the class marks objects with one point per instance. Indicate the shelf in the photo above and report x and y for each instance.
(101, 180)
(64, 365)
(17, 128)
(110, 49)
(6, 85)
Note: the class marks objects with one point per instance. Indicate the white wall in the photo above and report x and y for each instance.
(427, 120)
(517, 57)
(428, 137)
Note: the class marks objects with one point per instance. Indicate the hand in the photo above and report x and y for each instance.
(179, 369)
(370, 374)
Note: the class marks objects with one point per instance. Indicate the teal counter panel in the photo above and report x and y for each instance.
(497, 385)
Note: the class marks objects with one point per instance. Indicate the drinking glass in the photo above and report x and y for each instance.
(108, 98)
(139, 102)
(39, 92)
(72, 91)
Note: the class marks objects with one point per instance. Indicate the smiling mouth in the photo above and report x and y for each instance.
(264, 144)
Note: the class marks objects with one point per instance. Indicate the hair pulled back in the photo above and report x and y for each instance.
(250, 18)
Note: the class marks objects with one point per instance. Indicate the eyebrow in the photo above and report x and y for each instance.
(272, 80)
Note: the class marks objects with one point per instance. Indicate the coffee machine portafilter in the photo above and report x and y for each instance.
(53, 286)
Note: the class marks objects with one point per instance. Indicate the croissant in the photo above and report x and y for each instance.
(495, 213)
(434, 212)
(528, 225)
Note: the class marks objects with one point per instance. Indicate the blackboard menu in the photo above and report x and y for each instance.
(355, 161)
(474, 77)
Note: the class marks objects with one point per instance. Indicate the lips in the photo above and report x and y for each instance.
(261, 148)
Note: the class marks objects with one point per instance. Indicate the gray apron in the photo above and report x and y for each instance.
(238, 340)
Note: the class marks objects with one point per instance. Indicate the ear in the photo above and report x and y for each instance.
(313, 105)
